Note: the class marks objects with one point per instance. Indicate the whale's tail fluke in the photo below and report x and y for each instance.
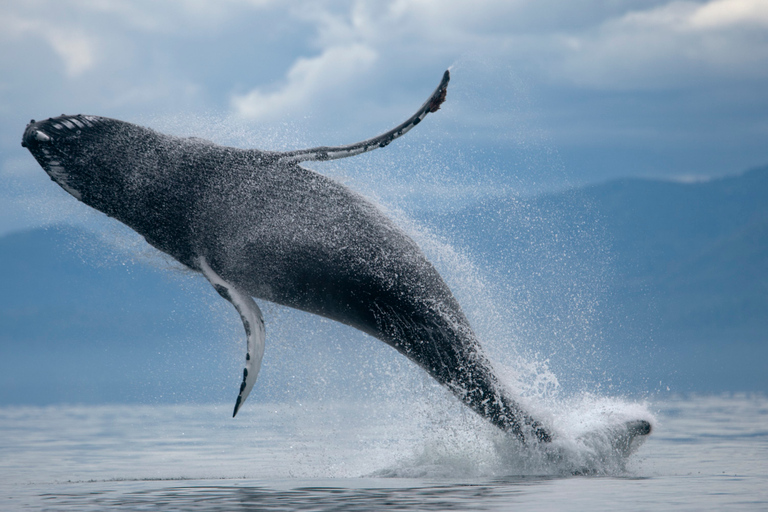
(332, 153)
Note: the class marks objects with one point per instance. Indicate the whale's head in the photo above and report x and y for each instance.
(83, 154)
(131, 173)
(68, 148)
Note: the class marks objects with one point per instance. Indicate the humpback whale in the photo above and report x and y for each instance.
(257, 224)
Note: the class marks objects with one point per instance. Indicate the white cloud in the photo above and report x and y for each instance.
(686, 15)
(76, 30)
(643, 43)
(76, 49)
(519, 64)
(627, 45)
(172, 15)
(672, 45)
(727, 13)
(306, 80)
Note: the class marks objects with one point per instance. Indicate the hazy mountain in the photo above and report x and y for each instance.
(632, 282)
(93, 318)
(79, 318)
(674, 271)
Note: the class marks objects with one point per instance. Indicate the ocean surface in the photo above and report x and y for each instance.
(706, 453)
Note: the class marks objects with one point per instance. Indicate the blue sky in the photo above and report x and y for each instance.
(545, 94)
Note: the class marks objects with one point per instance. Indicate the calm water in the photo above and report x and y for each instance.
(706, 453)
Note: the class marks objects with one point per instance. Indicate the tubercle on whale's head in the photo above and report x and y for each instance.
(75, 151)
(123, 170)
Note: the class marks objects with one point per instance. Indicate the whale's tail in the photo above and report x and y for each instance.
(323, 153)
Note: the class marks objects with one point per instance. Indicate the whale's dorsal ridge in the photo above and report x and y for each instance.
(323, 153)
(253, 322)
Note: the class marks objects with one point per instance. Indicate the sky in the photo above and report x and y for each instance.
(545, 94)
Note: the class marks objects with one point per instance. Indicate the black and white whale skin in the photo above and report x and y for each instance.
(256, 224)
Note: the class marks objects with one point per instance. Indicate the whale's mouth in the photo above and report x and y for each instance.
(49, 142)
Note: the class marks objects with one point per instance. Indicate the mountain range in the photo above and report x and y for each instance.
(676, 272)
(632, 285)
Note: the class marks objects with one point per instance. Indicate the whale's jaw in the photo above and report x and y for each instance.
(51, 142)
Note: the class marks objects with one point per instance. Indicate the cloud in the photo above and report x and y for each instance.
(589, 43)
(306, 80)
(172, 15)
(650, 44)
(677, 44)
(543, 69)
(729, 13)
(76, 49)
(76, 31)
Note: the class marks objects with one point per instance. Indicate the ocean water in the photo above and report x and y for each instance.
(706, 453)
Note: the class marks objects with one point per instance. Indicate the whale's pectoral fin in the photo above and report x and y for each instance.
(253, 321)
(332, 153)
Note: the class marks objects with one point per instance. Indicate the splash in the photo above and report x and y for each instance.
(589, 439)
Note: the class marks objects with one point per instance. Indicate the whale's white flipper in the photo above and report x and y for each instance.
(332, 153)
(253, 321)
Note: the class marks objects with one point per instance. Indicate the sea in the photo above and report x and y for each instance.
(705, 453)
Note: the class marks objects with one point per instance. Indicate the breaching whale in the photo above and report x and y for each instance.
(256, 224)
